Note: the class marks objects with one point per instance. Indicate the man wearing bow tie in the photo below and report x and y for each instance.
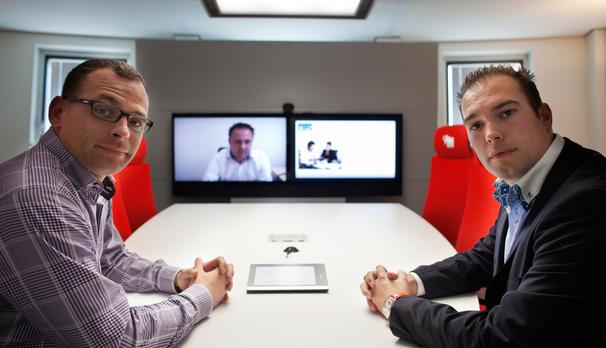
(543, 258)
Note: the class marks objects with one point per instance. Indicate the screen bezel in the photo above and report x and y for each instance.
(292, 187)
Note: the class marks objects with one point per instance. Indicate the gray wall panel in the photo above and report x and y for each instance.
(315, 77)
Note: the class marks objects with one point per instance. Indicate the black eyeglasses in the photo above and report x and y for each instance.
(111, 114)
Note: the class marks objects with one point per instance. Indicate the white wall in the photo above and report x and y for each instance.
(18, 54)
(559, 65)
(596, 71)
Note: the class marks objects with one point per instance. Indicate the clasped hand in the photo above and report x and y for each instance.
(380, 283)
(216, 275)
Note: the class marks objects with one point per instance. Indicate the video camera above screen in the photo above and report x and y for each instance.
(287, 155)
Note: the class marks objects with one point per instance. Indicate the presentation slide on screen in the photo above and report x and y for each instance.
(345, 149)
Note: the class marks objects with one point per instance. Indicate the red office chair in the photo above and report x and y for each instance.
(447, 191)
(480, 213)
(134, 182)
(119, 214)
(481, 209)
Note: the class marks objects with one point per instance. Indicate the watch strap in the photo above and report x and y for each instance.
(389, 302)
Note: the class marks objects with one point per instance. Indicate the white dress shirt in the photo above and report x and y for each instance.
(307, 157)
(223, 167)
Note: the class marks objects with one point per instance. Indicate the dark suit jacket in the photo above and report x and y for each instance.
(330, 157)
(548, 293)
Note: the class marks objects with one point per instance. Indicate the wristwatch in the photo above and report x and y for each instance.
(389, 301)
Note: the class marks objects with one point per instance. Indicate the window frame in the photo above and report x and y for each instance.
(41, 54)
(472, 52)
(484, 62)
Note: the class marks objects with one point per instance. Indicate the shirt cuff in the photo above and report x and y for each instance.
(202, 299)
(420, 286)
(166, 279)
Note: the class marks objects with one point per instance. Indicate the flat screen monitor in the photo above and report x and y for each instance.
(347, 154)
(208, 162)
(293, 155)
(345, 149)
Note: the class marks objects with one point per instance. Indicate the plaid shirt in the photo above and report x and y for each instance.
(64, 269)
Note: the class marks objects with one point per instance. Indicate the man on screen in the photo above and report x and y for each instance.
(64, 269)
(308, 158)
(541, 261)
(240, 162)
(329, 155)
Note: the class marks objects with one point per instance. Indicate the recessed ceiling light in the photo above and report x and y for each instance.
(289, 8)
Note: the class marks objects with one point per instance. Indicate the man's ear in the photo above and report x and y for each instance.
(544, 113)
(55, 112)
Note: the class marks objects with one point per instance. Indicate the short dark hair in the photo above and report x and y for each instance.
(241, 125)
(74, 79)
(523, 76)
(328, 143)
(310, 144)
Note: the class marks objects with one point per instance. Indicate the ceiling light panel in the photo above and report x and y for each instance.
(288, 8)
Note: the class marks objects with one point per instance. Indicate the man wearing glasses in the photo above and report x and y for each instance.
(64, 269)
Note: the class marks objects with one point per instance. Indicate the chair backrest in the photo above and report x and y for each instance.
(481, 209)
(446, 194)
(119, 214)
(134, 184)
(139, 157)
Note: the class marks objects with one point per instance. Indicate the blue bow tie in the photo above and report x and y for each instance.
(506, 195)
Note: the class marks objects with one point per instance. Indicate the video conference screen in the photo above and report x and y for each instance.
(352, 149)
(203, 150)
(278, 155)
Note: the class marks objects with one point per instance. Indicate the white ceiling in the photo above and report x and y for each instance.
(408, 20)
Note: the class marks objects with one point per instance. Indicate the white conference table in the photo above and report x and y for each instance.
(349, 238)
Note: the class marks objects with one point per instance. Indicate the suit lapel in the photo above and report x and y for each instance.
(501, 228)
(566, 163)
(571, 157)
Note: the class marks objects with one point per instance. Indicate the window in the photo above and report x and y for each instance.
(52, 63)
(455, 76)
(55, 72)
